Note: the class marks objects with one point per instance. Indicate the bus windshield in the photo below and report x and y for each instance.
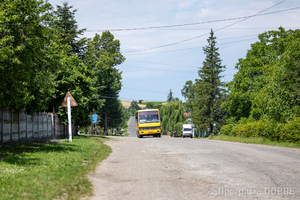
(148, 117)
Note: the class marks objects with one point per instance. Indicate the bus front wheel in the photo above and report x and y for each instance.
(138, 135)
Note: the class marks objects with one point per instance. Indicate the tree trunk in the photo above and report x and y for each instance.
(106, 124)
(211, 128)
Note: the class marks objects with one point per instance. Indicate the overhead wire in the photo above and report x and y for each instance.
(225, 27)
(149, 91)
(168, 51)
(174, 43)
(196, 23)
(159, 69)
(197, 29)
(218, 39)
(162, 63)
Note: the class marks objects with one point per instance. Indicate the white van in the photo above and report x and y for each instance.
(187, 130)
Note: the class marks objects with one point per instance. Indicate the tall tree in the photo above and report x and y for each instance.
(188, 92)
(150, 105)
(208, 88)
(27, 59)
(267, 81)
(170, 96)
(135, 105)
(68, 30)
(172, 115)
(72, 75)
(102, 56)
(117, 116)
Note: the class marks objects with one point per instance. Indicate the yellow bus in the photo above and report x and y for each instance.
(148, 123)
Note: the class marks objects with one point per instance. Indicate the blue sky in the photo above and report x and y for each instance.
(150, 74)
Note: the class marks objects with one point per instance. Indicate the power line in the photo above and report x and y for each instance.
(257, 14)
(196, 23)
(169, 51)
(148, 91)
(174, 43)
(183, 50)
(229, 38)
(162, 63)
(152, 68)
(197, 29)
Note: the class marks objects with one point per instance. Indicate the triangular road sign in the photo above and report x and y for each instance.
(65, 102)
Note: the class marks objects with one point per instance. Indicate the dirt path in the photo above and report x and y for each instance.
(185, 168)
(138, 170)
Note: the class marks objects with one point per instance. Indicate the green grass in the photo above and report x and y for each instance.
(254, 140)
(51, 170)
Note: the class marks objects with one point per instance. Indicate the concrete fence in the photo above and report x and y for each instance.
(18, 127)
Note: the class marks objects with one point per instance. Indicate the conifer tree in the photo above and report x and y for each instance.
(170, 96)
(68, 30)
(208, 88)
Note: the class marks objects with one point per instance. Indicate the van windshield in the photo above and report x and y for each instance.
(148, 117)
(187, 129)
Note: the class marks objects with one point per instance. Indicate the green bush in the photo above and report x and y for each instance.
(292, 130)
(265, 128)
(178, 128)
(226, 129)
(235, 130)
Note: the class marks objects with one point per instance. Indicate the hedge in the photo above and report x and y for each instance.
(283, 132)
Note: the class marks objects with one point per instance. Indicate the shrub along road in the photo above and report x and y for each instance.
(184, 168)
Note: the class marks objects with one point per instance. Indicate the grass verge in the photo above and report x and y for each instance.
(254, 140)
(52, 169)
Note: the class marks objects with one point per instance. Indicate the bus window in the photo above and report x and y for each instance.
(148, 117)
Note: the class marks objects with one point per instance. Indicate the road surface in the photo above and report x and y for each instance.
(132, 127)
(185, 168)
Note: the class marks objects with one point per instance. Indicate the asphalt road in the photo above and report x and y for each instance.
(132, 127)
(185, 168)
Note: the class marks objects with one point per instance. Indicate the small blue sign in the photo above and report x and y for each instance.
(94, 118)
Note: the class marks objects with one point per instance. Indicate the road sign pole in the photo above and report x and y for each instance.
(68, 102)
(69, 118)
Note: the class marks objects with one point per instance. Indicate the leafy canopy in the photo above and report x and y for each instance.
(267, 82)
(27, 59)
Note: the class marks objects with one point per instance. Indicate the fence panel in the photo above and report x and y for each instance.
(57, 134)
(45, 124)
(6, 126)
(15, 127)
(29, 128)
(35, 129)
(49, 126)
(22, 126)
(61, 130)
(1, 127)
(40, 126)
